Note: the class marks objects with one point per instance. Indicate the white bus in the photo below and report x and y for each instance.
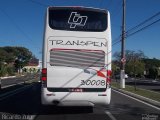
(76, 65)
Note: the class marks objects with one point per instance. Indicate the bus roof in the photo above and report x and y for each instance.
(79, 7)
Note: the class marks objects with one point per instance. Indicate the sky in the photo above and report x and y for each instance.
(22, 23)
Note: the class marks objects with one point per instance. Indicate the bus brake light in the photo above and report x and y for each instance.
(109, 72)
(44, 74)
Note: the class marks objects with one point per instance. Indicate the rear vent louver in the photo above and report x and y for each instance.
(77, 58)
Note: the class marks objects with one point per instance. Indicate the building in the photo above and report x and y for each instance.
(33, 66)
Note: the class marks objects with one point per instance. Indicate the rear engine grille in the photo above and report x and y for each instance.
(77, 58)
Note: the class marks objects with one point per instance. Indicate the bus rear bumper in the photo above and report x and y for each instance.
(75, 98)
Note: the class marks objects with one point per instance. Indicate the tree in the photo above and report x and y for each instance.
(3, 55)
(3, 69)
(23, 55)
(152, 67)
(14, 57)
(153, 72)
(134, 64)
(135, 68)
(114, 69)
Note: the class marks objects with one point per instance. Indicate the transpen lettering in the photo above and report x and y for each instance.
(78, 43)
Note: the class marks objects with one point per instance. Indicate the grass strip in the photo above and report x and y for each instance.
(146, 93)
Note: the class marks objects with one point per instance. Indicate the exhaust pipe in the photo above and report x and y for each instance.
(55, 102)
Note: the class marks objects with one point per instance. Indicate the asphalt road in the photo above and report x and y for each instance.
(26, 105)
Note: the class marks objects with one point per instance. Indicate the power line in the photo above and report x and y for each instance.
(145, 27)
(39, 3)
(117, 39)
(18, 28)
(144, 22)
(117, 9)
(116, 42)
(128, 35)
(132, 31)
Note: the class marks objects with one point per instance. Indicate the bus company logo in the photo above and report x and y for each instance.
(77, 20)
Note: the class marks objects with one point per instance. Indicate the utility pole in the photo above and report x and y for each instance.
(123, 60)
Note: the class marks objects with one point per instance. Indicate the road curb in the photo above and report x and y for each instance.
(148, 100)
(26, 79)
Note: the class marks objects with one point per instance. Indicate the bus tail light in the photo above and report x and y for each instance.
(44, 74)
(109, 73)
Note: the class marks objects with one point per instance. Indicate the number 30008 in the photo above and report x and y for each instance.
(93, 82)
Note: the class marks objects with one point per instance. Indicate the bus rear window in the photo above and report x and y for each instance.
(77, 19)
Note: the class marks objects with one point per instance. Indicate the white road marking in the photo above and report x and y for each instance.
(138, 100)
(110, 115)
(12, 85)
(11, 93)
